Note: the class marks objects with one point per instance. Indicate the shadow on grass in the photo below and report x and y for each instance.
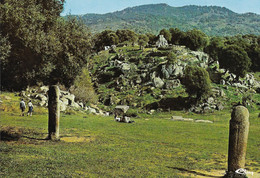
(177, 104)
(33, 138)
(192, 172)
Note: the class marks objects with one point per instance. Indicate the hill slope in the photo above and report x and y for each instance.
(152, 18)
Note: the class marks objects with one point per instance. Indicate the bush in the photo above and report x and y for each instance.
(197, 82)
(171, 57)
(83, 88)
(235, 59)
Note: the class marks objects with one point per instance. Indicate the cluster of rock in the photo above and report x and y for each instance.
(247, 82)
(151, 73)
(155, 73)
(214, 102)
(39, 95)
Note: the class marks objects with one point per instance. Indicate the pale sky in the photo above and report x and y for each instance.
(80, 7)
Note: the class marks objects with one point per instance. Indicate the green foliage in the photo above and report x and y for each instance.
(127, 36)
(152, 38)
(171, 57)
(105, 38)
(251, 45)
(213, 20)
(197, 82)
(195, 39)
(215, 47)
(5, 49)
(40, 39)
(142, 40)
(83, 88)
(235, 59)
(177, 36)
(166, 33)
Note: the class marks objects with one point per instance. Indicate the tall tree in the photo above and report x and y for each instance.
(44, 47)
(40, 39)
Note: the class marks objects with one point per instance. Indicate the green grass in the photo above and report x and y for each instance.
(153, 146)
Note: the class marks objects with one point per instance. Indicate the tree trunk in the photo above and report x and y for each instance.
(54, 112)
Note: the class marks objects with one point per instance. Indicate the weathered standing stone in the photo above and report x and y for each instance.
(238, 134)
(54, 112)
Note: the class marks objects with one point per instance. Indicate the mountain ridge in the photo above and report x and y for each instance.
(213, 20)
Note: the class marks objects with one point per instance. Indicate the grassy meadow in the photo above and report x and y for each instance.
(96, 146)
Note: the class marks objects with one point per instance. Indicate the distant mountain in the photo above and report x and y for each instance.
(212, 20)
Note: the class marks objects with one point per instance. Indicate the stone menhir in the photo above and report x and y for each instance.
(238, 135)
(54, 112)
(162, 42)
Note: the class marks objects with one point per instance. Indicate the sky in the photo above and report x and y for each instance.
(80, 7)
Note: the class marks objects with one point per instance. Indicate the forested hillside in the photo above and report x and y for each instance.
(212, 20)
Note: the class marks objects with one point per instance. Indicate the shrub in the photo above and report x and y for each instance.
(197, 82)
(171, 57)
(235, 59)
(83, 88)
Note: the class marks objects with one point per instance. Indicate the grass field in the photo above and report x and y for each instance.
(95, 146)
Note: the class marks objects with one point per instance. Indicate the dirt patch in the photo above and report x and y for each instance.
(76, 139)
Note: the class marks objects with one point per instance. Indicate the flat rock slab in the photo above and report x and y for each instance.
(204, 121)
(180, 118)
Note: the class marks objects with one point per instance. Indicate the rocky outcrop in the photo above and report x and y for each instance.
(150, 75)
(39, 95)
(162, 42)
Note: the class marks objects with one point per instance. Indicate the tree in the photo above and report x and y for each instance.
(44, 47)
(40, 39)
(105, 38)
(177, 36)
(126, 36)
(235, 59)
(197, 82)
(152, 38)
(195, 40)
(215, 47)
(254, 54)
(142, 41)
(167, 35)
